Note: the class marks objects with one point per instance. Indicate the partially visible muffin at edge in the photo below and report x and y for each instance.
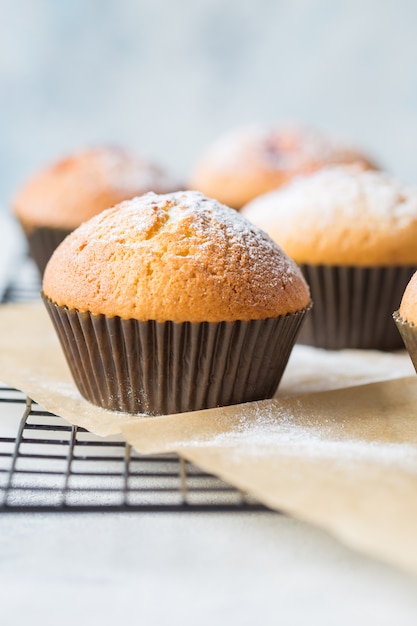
(60, 197)
(408, 306)
(353, 233)
(405, 319)
(211, 303)
(247, 162)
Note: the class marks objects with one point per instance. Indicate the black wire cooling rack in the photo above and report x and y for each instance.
(48, 465)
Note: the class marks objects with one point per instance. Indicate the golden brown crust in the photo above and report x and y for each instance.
(341, 216)
(246, 163)
(80, 186)
(408, 307)
(178, 257)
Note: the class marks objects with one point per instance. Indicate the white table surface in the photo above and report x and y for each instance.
(190, 568)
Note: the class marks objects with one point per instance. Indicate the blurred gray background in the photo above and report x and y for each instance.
(167, 77)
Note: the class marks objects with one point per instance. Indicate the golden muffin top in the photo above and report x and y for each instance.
(247, 162)
(178, 257)
(341, 216)
(80, 186)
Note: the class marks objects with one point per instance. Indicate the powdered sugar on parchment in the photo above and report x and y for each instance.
(264, 434)
(313, 369)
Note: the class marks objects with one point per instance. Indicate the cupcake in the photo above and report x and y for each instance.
(61, 197)
(249, 162)
(171, 303)
(353, 233)
(406, 319)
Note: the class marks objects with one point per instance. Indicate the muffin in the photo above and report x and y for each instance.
(406, 319)
(249, 162)
(61, 197)
(170, 303)
(353, 233)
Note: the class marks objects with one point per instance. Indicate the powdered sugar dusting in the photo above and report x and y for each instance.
(313, 369)
(135, 223)
(127, 172)
(281, 433)
(288, 147)
(336, 192)
(178, 257)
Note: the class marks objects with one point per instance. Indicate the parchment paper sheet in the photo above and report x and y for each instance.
(345, 460)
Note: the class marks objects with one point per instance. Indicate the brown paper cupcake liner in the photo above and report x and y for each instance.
(159, 368)
(42, 242)
(408, 334)
(353, 306)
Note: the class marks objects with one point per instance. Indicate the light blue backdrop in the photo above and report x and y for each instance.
(165, 77)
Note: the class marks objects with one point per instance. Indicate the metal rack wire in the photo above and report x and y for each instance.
(48, 465)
